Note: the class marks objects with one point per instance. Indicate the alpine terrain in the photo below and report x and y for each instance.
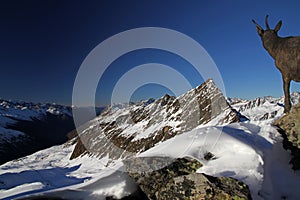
(200, 145)
(28, 127)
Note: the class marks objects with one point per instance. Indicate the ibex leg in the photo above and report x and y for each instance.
(286, 88)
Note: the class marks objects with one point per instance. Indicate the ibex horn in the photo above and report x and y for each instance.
(257, 25)
(267, 24)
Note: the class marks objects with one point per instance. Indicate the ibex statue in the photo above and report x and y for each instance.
(286, 53)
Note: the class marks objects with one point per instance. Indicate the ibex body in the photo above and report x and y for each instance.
(286, 53)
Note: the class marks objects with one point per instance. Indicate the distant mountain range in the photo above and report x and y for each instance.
(28, 127)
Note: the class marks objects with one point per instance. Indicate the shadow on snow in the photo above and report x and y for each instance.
(52, 178)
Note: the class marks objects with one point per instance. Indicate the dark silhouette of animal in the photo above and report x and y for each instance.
(286, 53)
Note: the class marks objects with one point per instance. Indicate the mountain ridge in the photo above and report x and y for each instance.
(131, 129)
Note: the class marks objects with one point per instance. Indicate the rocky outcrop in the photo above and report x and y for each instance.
(123, 130)
(163, 178)
(289, 127)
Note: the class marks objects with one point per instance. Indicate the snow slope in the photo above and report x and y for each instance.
(242, 151)
(245, 151)
(51, 169)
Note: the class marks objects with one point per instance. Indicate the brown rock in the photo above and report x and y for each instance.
(289, 127)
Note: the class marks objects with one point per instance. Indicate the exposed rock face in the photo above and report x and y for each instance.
(123, 130)
(178, 180)
(290, 129)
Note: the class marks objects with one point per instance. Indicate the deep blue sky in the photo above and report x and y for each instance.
(43, 43)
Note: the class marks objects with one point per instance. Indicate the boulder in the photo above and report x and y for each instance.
(164, 178)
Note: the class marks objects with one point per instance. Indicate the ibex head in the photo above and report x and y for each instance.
(268, 32)
(269, 36)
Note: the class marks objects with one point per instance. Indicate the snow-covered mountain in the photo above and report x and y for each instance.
(123, 130)
(28, 127)
(240, 136)
(262, 108)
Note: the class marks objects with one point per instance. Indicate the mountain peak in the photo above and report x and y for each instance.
(135, 128)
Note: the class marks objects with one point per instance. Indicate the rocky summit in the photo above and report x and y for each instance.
(126, 129)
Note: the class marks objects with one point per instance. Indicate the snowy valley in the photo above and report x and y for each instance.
(28, 127)
(238, 134)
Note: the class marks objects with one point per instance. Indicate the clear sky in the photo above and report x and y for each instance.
(43, 44)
